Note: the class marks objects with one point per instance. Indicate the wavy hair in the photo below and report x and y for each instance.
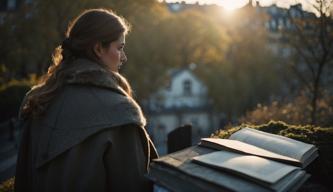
(90, 27)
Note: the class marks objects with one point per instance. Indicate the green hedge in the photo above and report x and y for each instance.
(321, 169)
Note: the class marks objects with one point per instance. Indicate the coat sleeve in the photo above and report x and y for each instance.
(125, 160)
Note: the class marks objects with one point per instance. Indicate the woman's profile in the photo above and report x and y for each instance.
(83, 129)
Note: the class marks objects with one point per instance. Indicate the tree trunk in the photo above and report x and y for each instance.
(314, 105)
(316, 90)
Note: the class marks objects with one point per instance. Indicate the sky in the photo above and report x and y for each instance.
(233, 4)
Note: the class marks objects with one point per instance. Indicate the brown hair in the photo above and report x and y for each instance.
(90, 27)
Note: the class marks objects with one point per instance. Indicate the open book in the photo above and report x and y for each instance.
(268, 173)
(199, 168)
(262, 144)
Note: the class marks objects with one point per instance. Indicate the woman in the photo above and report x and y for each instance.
(83, 130)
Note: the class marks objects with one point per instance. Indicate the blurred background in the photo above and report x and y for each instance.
(210, 64)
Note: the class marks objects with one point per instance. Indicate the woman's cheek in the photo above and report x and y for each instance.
(115, 55)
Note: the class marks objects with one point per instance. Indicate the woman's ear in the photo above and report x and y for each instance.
(98, 49)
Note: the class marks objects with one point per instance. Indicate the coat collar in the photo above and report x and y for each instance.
(87, 72)
(62, 132)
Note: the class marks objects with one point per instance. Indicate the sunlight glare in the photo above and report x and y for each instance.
(229, 5)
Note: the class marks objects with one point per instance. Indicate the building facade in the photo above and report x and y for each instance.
(182, 101)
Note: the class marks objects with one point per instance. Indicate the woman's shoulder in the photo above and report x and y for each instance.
(83, 111)
(90, 86)
(77, 92)
(88, 105)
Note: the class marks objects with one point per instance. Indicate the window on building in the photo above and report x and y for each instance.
(187, 87)
(2, 19)
(169, 85)
(273, 25)
(11, 4)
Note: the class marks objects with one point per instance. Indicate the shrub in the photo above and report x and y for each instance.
(7, 186)
(296, 111)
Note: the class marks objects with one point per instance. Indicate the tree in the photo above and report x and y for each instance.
(312, 40)
(166, 41)
(247, 75)
(34, 30)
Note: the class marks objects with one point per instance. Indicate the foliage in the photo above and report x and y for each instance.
(311, 41)
(296, 111)
(231, 52)
(30, 81)
(8, 185)
(34, 30)
(322, 168)
(159, 40)
(175, 42)
(247, 75)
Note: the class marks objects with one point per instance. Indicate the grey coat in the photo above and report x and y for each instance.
(92, 138)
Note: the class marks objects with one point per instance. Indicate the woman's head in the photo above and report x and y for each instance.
(99, 35)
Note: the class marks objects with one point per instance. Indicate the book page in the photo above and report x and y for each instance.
(275, 143)
(290, 181)
(244, 148)
(187, 169)
(253, 167)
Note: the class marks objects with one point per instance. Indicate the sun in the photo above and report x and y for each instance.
(229, 5)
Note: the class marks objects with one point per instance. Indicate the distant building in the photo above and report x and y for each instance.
(9, 6)
(278, 20)
(183, 101)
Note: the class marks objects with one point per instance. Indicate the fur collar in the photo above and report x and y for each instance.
(86, 72)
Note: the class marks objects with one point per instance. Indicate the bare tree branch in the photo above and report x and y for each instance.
(315, 48)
